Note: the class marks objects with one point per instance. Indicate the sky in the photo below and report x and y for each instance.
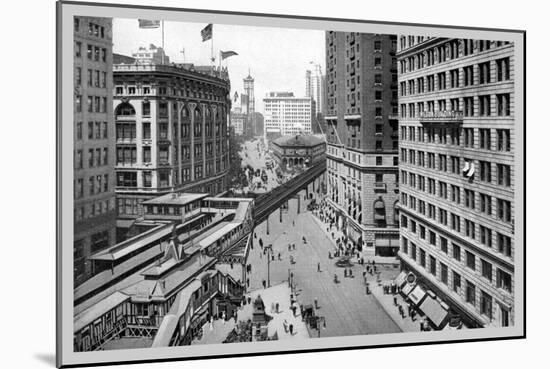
(277, 57)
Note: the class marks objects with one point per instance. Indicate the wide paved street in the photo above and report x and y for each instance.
(346, 307)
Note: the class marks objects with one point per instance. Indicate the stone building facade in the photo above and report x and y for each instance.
(94, 192)
(362, 146)
(171, 132)
(456, 122)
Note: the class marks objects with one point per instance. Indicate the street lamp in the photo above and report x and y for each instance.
(268, 250)
(318, 320)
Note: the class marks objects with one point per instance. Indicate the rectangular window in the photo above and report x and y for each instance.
(503, 69)
(457, 282)
(503, 136)
(504, 210)
(423, 258)
(485, 138)
(456, 252)
(433, 266)
(484, 73)
(485, 203)
(470, 260)
(486, 304)
(504, 244)
(443, 273)
(485, 105)
(470, 228)
(443, 243)
(503, 105)
(486, 270)
(503, 175)
(504, 280)
(485, 171)
(470, 293)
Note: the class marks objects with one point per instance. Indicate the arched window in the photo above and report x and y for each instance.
(125, 109)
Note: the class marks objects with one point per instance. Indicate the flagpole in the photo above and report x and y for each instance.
(162, 30)
(212, 48)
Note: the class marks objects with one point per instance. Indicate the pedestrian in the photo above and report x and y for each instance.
(291, 329)
(316, 303)
(350, 273)
(263, 283)
(293, 309)
(285, 326)
(318, 267)
(255, 235)
(409, 310)
(248, 282)
(345, 272)
(279, 256)
(277, 307)
(395, 300)
(235, 315)
(421, 326)
(329, 255)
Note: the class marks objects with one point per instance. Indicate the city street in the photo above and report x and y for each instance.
(250, 155)
(346, 307)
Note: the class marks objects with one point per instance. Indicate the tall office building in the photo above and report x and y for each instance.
(362, 151)
(314, 87)
(456, 103)
(171, 132)
(94, 194)
(285, 114)
(249, 91)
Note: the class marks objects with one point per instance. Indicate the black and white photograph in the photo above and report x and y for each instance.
(234, 184)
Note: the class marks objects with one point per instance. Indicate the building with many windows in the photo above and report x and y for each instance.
(171, 132)
(237, 120)
(285, 114)
(361, 131)
(456, 122)
(94, 194)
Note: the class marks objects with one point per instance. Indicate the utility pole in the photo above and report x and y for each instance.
(269, 253)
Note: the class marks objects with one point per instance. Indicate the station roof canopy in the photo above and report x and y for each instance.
(175, 199)
(299, 140)
(97, 310)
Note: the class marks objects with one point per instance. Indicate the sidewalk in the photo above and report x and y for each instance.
(272, 295)
(386, 301)
(381, 260)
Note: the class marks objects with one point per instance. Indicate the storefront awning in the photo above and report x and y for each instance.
(417, 295)
(386, 242)
(434, 311)
(400, 279)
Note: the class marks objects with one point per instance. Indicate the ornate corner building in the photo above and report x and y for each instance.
(362, 146)
(456, 108)
(171, 132)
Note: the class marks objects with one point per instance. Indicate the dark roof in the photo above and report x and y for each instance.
(299, 140)
(123, 59)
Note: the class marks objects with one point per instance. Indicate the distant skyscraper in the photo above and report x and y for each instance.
(249, 91)
(314, 83)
